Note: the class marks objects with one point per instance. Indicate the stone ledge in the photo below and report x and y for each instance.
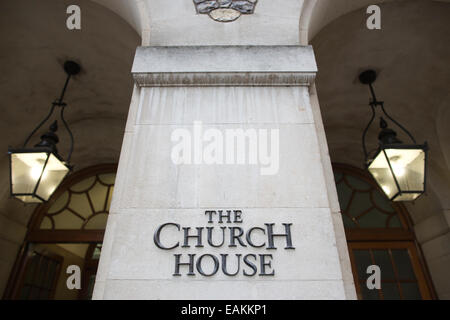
(224, 66)
(222, 79)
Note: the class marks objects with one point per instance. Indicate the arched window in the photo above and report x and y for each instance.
(379, 232)
(82, 205)
(67, 230)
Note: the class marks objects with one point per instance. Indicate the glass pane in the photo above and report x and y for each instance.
(67, 220)
(97, 222)
(60, 203)
(51, 274)
(46, 223)
(40, 280)
(44, 294)
(380, 170)
(107, 178)
(84, 185)
(390, 291)
(344, 194)
(91, 285)
(25, 292)
(362, 261)
(380, 200)
(40, 276)
(29, 199)
(111, 190)
(407, 197)
(98, 196)
(367, 293)
(358, 184)
(369, 206)
(54, 173)
(373, 219)
(31, 268)
(394, 222)
(97, 252)
(383, 260)
(337, 176)
(348, 223)
(361, 202)
(80, 204)
(98, 190)
(26, 169)
(408, 166)
(403, 264)
(34, 293)
(411, 291)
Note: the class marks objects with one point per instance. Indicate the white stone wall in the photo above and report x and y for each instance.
(151, 190)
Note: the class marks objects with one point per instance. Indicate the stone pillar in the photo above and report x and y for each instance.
(152, 248)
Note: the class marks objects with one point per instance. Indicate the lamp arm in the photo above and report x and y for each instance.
(397, 123)
(39, 125)
(61, 97)
(374, 97)
(366, 130)
(59, 103)
(70, 134)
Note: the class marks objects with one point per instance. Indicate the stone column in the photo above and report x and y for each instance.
(281, 238)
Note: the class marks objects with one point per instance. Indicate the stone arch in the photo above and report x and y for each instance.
(409, 56)
(98, 98)
(134, 12)
(317, 14)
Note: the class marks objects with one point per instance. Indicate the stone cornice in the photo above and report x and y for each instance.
(224, 66)
(222, 79)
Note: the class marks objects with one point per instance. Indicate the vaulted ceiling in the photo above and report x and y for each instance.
(148, 17)
(35, 42)
(38, 44)
(410, 53)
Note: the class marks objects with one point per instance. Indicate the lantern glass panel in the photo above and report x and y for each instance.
(35, 175)
(29, 199)
(379, 168)
(409, 168)
(407, 197)
(54, 173)
(26, 168)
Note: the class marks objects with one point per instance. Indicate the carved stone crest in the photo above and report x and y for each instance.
(225, 10)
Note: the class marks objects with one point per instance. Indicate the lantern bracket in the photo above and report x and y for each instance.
(71, 68)
(368, 77)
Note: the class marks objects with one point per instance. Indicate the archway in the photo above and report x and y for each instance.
(379, 232)
(98, 98)
(67, 230)
(408, 56)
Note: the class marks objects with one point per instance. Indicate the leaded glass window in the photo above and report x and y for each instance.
(84, 205)
(379, 233)
(363, 205)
